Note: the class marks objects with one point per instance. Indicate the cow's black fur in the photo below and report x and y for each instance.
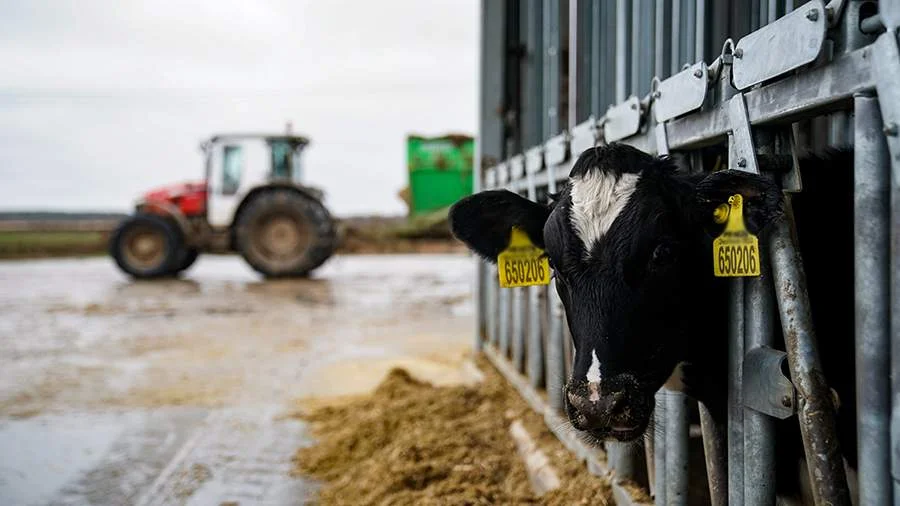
(644, 296)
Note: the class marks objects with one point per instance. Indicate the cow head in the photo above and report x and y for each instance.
(629, 242)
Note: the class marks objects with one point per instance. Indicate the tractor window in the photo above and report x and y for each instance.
(232, 165)
(281, 160)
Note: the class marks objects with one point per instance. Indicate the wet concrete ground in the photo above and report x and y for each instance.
(175, 392)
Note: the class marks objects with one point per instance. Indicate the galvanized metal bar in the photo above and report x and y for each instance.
(871, 214)
(675, 57)
(661, 63)
(505, 317)
(700, 32)
(552, 54)
(532, 97)
(735, 394)
(772, 11)
(688, 31)
(804, 95)
(622, 53)
(759, 428)
(677, 433)
(493, 305)
(635, 44)
(659, 449)
(715, 449)
(518, 328)
(815, 409)
(534, 350)
(556, 372)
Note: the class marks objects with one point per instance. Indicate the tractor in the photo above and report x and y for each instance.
(252, 202)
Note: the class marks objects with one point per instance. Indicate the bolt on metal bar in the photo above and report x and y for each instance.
(677, 434)
(735, 395)
(871, 214)
(715, 448)
(815, 411)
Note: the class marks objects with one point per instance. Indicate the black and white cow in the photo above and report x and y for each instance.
(629, 239)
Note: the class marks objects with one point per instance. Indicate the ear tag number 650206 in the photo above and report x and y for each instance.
(736, 250)
(522, 263)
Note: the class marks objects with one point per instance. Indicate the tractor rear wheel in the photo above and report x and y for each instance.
(282, 232)
(187, 259)
(145, 246)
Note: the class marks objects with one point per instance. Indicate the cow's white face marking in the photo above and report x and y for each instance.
(593, 377)
(597, 199)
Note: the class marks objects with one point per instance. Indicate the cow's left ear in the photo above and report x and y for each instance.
(762, 198)
(485, 220)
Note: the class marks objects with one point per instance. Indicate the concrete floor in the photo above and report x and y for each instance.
(176, 391)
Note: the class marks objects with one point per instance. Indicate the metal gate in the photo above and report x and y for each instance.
(558, 77)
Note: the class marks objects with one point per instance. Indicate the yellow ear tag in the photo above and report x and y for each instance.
(736, 251)
(522, 263)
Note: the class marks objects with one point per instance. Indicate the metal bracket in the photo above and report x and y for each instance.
(534, 159)
(681, 93)
(516, 166)
(623, 120)
(502, 173)
(766, 388)
(584, 136)
(556, 150)
(741, 154)
(889, 10)
(490, 178)
(662, 142)
(781, 46)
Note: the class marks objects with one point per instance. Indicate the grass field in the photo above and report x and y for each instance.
(28, 244)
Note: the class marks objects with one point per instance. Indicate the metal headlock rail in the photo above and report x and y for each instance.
(811, 75)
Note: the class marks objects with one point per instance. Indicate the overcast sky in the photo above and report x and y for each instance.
(102, 100)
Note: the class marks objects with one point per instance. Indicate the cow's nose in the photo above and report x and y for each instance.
(596, 408)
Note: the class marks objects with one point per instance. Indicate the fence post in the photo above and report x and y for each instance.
(871, 214)
(815, 411)
(676, 448)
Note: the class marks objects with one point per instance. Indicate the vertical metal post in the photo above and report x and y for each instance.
(503, 302)
(492, 305)
(556, 373)
(622, 69)
(759, 428)
(871, 213)
(518, 330)
(773, 10)
(688, 32)
(700, 32)
(661, 41)
(659, 448)
(555, 369)
(675, 40)
(735, 395)
(532, 114)
(534, 348)
(677, 433)
(550, 38)
(815, 411)
(716, 451)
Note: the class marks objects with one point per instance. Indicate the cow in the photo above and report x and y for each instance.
(629, 240)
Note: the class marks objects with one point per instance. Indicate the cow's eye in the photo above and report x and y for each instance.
(662, 255)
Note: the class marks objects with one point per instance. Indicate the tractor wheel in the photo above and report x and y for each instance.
(284, 233)
(188, 257)
(145, 246)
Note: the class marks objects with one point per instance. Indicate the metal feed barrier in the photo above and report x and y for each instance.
(559, 77)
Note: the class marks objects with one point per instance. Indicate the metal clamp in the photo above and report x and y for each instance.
(741, 154)
(765, 387)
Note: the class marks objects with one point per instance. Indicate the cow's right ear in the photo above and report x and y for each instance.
(485, 220)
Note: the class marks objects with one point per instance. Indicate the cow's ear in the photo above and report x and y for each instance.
(762, 198)
(484, 221)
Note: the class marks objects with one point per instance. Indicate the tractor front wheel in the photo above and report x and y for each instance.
(284, 233)
(146, 246)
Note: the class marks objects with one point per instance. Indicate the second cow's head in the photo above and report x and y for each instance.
(628, 238)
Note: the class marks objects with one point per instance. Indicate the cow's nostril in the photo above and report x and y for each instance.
(617, 403)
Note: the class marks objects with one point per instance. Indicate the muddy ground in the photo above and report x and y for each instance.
(179, 391)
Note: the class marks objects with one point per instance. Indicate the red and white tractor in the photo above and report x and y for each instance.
(252, 202)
